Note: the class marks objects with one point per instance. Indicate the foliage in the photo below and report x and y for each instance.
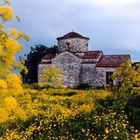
(32, 61)
(79, 115)
(126, 77)
(83, 86)
(50, 76)
(10, 83)
(132, 109)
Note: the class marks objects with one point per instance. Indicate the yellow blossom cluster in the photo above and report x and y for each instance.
(10, 103)
(6, 13)
(3, 115)
(3, 84)
(12, 46)
(14, 84)
(10, 83)
(50, 77)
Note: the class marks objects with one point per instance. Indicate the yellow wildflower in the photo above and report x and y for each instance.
(6, 13)
(136, 136)
(21, 114)
(10, 102)
(12, 78)
(3, 115)
(0, 49)
(12, 45)
(106, 130)
(3, 84)
(14, 83)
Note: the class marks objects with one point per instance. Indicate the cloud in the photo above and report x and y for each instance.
(111, 24)
(112, 3)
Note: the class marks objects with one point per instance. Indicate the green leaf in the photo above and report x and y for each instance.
(24, 36)
(18, 18)
(7, 2)
(1, 26)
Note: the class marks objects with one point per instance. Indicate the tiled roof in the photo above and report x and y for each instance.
(72, 35)
(49, 56)
(112, 60)
(89, 62)
(49, 62)
(92, 54)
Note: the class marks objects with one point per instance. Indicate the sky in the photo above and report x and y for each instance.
(113, 26)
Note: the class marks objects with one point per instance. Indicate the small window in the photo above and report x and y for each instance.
(68, 44)
(109, 79)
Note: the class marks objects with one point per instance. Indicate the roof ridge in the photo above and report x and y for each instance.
(95, 51)
(72, 35)
(116, 55)
(50, 55)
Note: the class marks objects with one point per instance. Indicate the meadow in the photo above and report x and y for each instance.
(68, 114)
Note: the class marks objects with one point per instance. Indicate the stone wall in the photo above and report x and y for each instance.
(95, 77)
(80, 54)
(75, 73)
(70, 65)
(73, 45)
(101, 74)
(87, 73)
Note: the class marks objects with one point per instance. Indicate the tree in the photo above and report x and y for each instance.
(32, 61)
(50, 77)
(10, 83)
(127, 77)
(127, 90)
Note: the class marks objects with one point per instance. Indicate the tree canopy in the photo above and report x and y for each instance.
(33, 59)
(127, 76)
(50, 77)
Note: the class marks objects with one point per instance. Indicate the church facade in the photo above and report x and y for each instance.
(81, 66)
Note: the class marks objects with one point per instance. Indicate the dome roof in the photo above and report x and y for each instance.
(72, 35)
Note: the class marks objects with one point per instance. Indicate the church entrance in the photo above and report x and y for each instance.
(109, 80)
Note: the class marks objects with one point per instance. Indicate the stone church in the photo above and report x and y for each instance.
(79, 64)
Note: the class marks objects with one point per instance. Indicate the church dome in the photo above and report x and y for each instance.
(72, 35)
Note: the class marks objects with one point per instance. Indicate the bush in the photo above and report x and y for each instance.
(133, 110)
(83, 86)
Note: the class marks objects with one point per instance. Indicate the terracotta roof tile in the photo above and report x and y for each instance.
(92, 54)
(112, 60)
(89, 62)
(49, 56)
(49, 62)
(72, 35)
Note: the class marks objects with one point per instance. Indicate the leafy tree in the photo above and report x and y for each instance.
(32, 61)
(50, 77)
(126, 77)
(10, 83)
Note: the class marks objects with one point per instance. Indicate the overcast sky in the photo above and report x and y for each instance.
(112, 25)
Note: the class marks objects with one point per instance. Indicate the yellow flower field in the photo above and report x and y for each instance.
(64, 114)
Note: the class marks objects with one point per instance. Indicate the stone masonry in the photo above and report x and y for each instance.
(79, 65)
